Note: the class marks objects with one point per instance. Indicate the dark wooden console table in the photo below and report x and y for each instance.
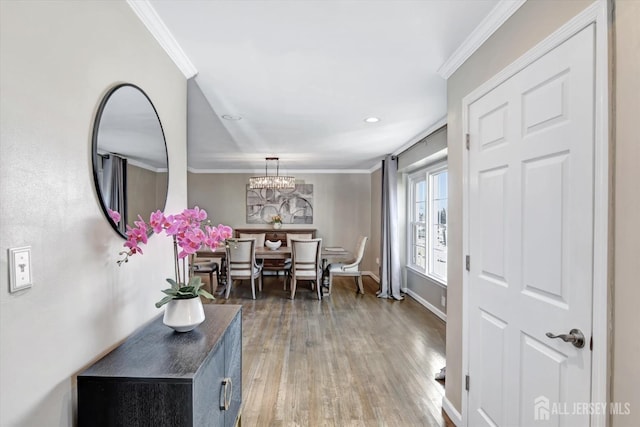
(159, 377)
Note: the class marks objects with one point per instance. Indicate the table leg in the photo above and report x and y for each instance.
(325, 273)
(223, 275)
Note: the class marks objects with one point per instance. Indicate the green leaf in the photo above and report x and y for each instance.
(171, 292)
(187, 290)
(195, 281)
(163, 301)
(174, 284)
(205, 294)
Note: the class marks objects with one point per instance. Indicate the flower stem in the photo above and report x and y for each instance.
(184, 271)
(175, 257)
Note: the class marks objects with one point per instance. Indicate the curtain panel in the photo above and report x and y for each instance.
(390, 272)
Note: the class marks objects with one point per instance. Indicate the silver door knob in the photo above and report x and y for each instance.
(575, 337)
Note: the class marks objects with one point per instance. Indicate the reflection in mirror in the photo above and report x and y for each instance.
(130, 165)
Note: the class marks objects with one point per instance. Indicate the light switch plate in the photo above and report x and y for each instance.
(20, 274)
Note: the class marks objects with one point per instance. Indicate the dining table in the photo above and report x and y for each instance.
(329, 253)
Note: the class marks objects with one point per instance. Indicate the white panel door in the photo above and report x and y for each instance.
(531, 241)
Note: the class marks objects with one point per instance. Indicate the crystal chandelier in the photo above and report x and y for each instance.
(272, 181)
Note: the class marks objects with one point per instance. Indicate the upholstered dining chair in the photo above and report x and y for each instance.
(297, 236)
(351, 268)
(260, 238)
(205, 266)
(287, 261)
(306, 264)
(242, 265)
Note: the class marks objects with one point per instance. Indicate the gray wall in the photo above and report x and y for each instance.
(376, 218)
(149, 188)
(341, 205)
(427, 151)
(58, 60)
(626, 268)
(534, 21)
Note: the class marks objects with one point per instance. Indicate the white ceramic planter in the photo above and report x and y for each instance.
(277, 225)
(183, 315)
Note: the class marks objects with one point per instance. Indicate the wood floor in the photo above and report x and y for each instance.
(348, 360)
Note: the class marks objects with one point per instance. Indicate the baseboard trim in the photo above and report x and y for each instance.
(451, 411)
(432, 308)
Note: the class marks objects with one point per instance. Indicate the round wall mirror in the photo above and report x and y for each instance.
(130, 165)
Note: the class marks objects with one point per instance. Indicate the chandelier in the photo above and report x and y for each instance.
(272, 181)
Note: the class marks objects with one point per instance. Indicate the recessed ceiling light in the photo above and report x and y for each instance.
(231, 117)
(372, 120)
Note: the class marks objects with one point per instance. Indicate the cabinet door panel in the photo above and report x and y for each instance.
(141, 403)
(207, 391)
(233, 368)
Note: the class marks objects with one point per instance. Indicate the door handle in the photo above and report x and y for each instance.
(227, 385)
(575, 337)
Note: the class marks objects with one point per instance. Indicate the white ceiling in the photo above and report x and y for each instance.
(304, 75)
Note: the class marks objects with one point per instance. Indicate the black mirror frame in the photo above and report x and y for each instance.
(94, 152)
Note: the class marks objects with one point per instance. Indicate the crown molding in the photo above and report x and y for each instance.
(498, 15)
(146, 166)
(375, 167)
(161, 33)
(419, 137)
(288, 171)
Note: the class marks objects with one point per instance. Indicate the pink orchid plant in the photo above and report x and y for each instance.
(190, 231)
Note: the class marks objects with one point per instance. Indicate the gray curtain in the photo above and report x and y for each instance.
(114, 186)
(390, 276)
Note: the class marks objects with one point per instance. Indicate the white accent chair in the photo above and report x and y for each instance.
(306, 264)
(242, 265)
(351, 268)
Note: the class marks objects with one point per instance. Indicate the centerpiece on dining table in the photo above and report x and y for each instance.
(276, 220)
(190, 231)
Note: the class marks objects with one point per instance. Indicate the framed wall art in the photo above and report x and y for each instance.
(294, 206)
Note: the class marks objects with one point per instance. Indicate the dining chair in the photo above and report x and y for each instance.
(260, 238)
(351, 268)
(297, 236)
(306, 264)
(205, 266)
(287, 261)
(242, 265)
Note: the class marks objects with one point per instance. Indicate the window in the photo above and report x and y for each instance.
(428, 221)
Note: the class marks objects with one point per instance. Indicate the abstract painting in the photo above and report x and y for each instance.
(295, 206)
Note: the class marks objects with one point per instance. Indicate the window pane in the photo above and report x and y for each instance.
(440, 264)
(439, 212)
(420, 235)
(419, 245)
(440, 237)
(427, 221)
(421, 211)
(438, 215)
(420, 256)
(440, 185)
(420, 191)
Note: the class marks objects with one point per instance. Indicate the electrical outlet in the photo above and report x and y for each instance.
(20, 273)
(443, 301)
(377, 261)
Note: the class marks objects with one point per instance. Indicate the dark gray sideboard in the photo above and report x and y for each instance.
(159, 377)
